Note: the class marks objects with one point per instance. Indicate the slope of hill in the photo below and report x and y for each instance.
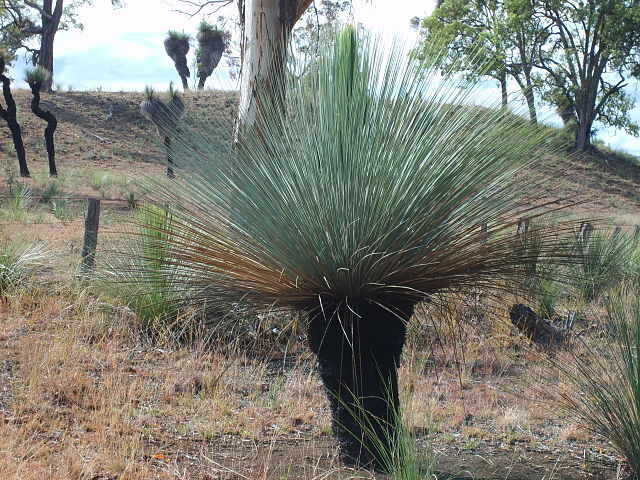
(105, 131)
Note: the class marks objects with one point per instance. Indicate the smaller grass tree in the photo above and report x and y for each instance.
(10, 115)
(211, 46)
(36, 77)
(165, 117)
(604, 378)
(177, 46)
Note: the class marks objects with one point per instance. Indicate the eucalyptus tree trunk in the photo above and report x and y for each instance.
(358, 358)
(585, 117)
(267, 25)
(503, 90)
(50, 23)
(530, 97)
(9, 115)
(52, 124)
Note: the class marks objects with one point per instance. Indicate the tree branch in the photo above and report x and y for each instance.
(41, 10)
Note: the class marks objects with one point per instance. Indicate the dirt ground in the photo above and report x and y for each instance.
(83, 397)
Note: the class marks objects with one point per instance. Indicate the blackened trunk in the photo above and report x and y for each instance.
(52, 124)
(10, 116)
(358, 358)
(185, 85)
(531, 101)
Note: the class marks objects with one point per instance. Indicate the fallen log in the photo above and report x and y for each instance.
(537, 329)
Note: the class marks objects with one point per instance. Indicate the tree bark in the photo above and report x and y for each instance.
(358, 357)
(529, 96)
(503, 90)
(52, 124)
(50, 24)
(586, 116)
(10, 116)
(267, 25)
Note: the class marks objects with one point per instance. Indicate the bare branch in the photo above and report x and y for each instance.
(199, 6)
(41, 10)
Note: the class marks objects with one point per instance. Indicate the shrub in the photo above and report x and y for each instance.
(17, 264)
(602, 259)
(20, 196)
(605, 393)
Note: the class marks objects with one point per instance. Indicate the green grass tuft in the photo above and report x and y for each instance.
(176, 35)
(37, 75)
(18, 263)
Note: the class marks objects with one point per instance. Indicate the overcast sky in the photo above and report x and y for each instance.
(123, 49)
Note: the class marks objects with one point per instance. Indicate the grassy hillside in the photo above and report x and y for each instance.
(85, 393)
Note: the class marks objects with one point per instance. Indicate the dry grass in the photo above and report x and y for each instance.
(84, 395)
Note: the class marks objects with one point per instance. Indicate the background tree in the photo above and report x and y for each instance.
(211, 46)
(593, 48)
(317, 23)
(10, 115)
(466, 36)
(36, 78)
(165, 117)
(177, 46)
(506, 31)
(25, 20)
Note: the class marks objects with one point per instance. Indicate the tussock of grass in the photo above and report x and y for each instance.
(604, 381)
(18, 263)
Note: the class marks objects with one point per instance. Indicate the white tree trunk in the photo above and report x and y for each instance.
(261, 56)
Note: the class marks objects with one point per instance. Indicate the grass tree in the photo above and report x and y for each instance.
(177, 46)
(211, 46)
(603, 380)
(10, 115)
(36, 77)
(165, 117)
(357, 198)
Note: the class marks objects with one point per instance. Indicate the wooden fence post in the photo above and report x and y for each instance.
(91, 224)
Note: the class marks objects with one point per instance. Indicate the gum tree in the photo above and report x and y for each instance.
(498, 38)
(357, 199)
(42, 19)
(594, 49)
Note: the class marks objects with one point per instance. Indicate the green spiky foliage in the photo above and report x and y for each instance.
(207, 29)
(18, 263)
(149, 92)
(602, 261)
(175, 103)
(37, 75)
(353, 200)
(176, 35)
(604, 382)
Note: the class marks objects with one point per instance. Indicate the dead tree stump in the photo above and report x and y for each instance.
(537, 329)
